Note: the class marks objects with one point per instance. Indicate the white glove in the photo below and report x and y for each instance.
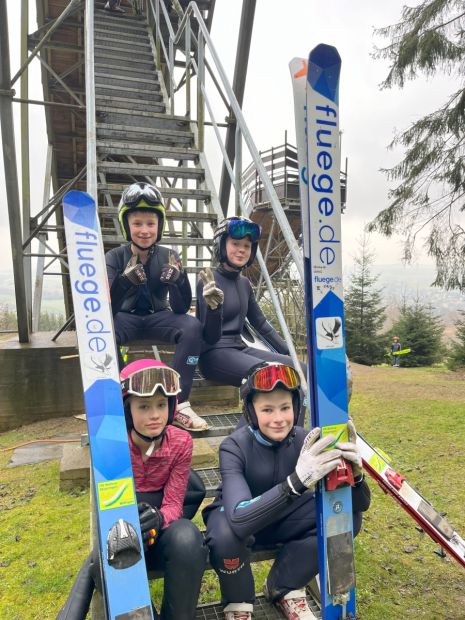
(350, 451)
(213, 295)
(314, 463)
(134, 271)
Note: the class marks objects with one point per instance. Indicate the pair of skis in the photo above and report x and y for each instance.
(316, 103)
(123, 574)
(315, 86)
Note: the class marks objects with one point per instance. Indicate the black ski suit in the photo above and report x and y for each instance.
(225, 357)
(255, 506)
(143, 312)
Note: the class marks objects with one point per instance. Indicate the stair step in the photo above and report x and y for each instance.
(102, 16)
(110, 55)
(128, 81)
(153, 170)
(106, 41)
(167, 192)
(113, 147)
(154, 120)
(110, 240)
(107, 71)
(108, 90)
(179, 216)
(118, 26)
(130, 104)
(144, 134)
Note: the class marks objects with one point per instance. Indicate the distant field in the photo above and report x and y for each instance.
(415, 415)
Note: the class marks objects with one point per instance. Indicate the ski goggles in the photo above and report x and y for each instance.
(238, 229)
(146, 382)
(137, 192)
(265, 379)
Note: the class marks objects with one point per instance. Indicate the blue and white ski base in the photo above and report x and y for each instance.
(126, 592)
(315, 87)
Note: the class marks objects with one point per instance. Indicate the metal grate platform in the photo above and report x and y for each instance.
(263, 610)
(211, 478)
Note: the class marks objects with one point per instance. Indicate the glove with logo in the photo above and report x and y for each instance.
(151, 522)
(171, 272)
(314, 462)
(213, 295)
(134, 271)
(350, 451)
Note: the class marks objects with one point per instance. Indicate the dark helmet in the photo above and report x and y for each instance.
(236, 228)
(265, 377)
(138, 197)
(143, 378)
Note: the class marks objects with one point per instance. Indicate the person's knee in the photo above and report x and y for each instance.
(186, 542)
(221, 539)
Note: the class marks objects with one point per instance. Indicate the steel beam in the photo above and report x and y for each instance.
(238, 86)
(11, 177)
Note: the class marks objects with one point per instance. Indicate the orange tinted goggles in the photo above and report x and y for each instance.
(265, 379)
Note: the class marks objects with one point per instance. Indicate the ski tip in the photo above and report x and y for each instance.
(324, 67)
(298, 67)
(78, 199)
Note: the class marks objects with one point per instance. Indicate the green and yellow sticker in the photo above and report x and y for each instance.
(340, 431)
(116, 493)
(377, 462)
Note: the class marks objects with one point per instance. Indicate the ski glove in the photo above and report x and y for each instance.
(151, 522)
(135, 271)
(314, 462)
(213, 295)
(350, 451)
(170, 272)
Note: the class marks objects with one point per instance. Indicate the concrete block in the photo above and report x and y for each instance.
(74, 467)
(203, 454)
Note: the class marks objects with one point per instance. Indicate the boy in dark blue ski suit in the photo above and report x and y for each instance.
(269, 469)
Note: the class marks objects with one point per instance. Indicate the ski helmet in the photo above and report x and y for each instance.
(236, 228)
(143, 378)
(265, 377)
(139, 197)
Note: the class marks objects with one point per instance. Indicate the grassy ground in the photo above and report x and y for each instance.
(414, 415)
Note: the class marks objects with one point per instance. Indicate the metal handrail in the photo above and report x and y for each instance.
(185, 35)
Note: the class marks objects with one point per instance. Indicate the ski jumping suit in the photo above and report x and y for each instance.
(255, 506)
(225, 357)
(143, 312)
(179, 551)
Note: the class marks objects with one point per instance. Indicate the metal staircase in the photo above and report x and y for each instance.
(138, 139)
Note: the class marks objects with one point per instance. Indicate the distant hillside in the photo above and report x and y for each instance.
(411, 282)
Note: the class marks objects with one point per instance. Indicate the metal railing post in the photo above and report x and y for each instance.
(238, 170)
(200, 96)
(188, 69)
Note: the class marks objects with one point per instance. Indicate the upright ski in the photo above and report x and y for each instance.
(316, 85)
(124, 576)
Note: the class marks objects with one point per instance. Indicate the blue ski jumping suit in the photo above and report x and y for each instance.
(255, 506)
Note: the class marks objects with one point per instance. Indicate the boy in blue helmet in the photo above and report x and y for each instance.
(269, 469)
(150, 292)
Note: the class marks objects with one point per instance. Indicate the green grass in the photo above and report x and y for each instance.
(415, 415)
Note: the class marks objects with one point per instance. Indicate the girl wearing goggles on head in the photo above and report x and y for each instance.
(269, 469)
(150, 292)
(168, 493)
(225, 299)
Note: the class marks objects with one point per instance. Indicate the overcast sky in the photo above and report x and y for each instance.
(369, 116)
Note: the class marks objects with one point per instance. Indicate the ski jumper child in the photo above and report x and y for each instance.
(142, 276)
(395, 346)
(161, 456)
(168, 494)
(225, 357)
(269, 470)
